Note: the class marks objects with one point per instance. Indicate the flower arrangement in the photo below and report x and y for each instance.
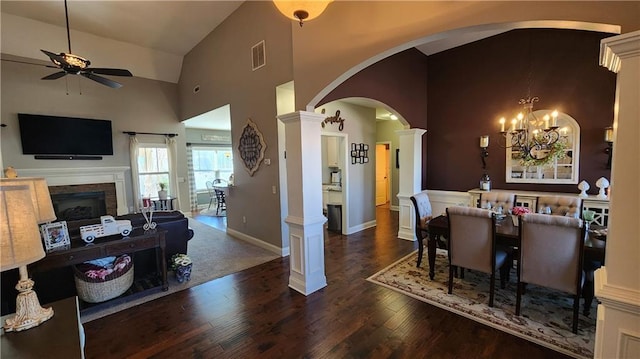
(162, 186)
(179, 260)
(517, 211)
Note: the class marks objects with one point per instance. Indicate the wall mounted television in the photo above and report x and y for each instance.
(55, 137)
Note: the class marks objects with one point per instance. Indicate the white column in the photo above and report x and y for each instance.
(304, 183)
(410, 179)
(617, 285)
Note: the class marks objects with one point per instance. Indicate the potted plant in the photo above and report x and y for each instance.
(162, 193)
(181, 265)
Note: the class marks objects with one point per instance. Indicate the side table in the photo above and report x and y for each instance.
(62, 336)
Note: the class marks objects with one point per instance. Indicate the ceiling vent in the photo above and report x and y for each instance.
(258, 57)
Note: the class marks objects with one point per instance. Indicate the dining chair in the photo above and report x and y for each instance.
(551, 255)
(505, 200)
(212, 193)
(423, 212)
(472, 245)
(221, 198)
(560, 205)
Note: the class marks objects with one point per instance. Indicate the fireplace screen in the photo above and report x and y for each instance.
(80, 205)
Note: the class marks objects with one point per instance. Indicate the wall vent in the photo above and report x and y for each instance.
(258, 57)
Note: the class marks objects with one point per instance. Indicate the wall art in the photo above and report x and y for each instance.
(251, 147)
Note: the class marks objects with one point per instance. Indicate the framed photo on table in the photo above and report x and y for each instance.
(55, 235)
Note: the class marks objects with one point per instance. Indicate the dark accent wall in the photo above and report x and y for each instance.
(399, 81)
(472, 86)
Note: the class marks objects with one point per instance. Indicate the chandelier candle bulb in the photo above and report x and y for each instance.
(502, 121)
(513, 125)
(554, 119)
(546, 122)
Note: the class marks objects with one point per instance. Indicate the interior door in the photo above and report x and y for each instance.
(382, 174)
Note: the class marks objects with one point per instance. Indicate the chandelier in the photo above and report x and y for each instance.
(536, 140)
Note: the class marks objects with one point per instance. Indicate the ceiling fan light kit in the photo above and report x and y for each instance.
(301, 10)
(71, 64)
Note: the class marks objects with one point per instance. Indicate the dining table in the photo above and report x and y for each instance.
(508, 234)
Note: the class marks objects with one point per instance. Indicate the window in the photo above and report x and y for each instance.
(560, 170)
(210, 163)
(153, 169)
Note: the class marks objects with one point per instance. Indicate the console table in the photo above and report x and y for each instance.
(530, 199)
(62, 336)
(114, 245)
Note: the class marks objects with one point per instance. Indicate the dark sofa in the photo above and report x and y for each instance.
(58, 283)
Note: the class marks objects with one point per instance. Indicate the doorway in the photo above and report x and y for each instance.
(383, 171)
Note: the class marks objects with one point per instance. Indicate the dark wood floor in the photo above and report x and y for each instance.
(215, 222)
(253, 314)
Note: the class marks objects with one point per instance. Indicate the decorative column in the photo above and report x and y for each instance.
(304, 188)
(617, 284)
(410, 179)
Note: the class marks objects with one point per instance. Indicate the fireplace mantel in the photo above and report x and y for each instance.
(84, 175)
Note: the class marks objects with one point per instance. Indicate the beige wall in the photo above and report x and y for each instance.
(140, 105)
(221, 66)
(350, 32)
(386, 132)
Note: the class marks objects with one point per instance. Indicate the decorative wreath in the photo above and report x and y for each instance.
(251, 147)
(556, 152)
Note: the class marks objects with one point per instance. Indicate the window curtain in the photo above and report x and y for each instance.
(172, 145)
(134, 147)
(193, 195)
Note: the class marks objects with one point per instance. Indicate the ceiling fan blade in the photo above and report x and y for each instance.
(102, 80)
(111, 72)
(54, 76)
(54, 57)
(31, 63)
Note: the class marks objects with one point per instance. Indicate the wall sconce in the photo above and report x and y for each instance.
(608, 138)
(484, 143)
(359, 153)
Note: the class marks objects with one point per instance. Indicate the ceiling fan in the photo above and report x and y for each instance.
(71, 64)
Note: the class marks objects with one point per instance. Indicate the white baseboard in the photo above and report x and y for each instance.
(361, 227)
(283, 252)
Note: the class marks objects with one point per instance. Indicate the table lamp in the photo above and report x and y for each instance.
(22, 207)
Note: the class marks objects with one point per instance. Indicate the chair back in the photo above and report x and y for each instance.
(505, 200)
(551, 251)
(471, 238)
(561, 205)
(422, 207)
(209, 185)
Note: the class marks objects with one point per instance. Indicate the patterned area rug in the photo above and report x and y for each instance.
(545, 318)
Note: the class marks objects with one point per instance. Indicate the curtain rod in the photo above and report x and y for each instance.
(133, 133)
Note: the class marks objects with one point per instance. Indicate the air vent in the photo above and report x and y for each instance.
(258, 57)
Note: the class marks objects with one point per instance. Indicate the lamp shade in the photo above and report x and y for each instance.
(20, 242)
(301, 10)
(40, 196)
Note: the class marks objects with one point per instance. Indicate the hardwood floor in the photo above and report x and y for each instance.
(253, 314)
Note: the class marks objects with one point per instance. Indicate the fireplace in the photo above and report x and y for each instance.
(86, 201)
(110, 180)
(80, 205)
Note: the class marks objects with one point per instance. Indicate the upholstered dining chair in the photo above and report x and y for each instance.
(422, 207)
(551, 253)
(560, 205)
(505, 200)
(472, 245)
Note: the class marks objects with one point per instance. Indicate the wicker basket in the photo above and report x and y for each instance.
(94, 290)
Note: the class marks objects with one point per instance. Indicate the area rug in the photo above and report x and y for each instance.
(214, 254)
(211, 212)
(546, 315)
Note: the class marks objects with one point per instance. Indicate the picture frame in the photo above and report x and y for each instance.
(55, 235)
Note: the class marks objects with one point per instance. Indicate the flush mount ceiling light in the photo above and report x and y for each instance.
(301, 10)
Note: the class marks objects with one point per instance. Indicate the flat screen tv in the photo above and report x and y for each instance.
(54, 135)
